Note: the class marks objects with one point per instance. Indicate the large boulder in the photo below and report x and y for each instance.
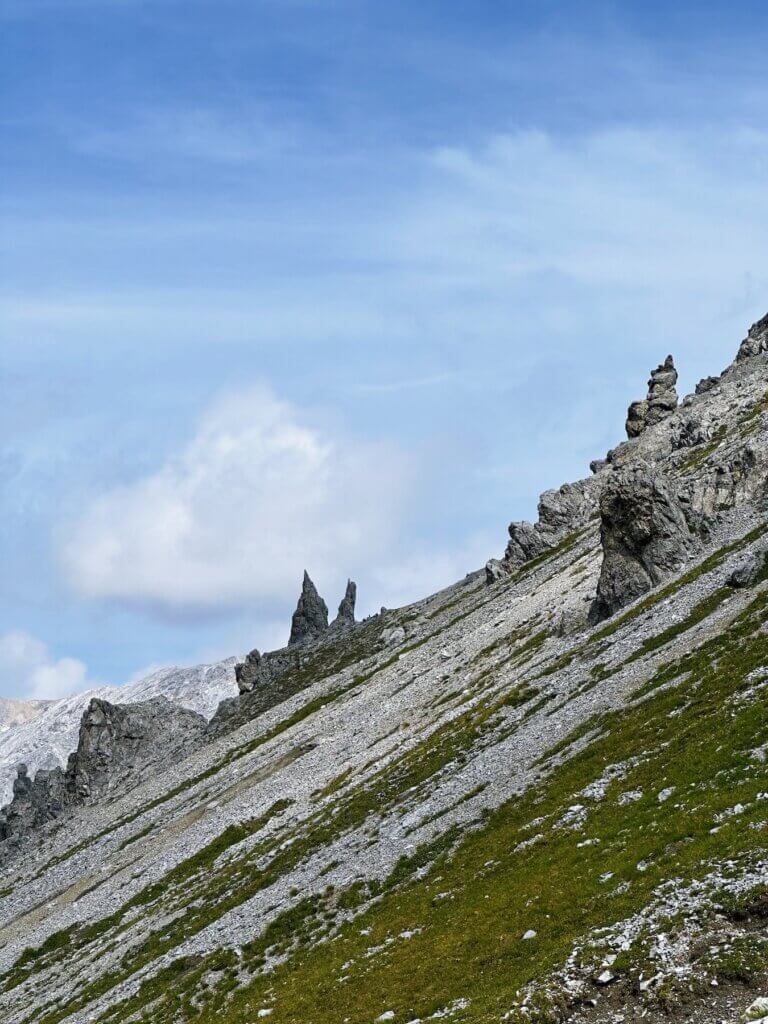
(310, 620)
(645, 536)
(249, 671)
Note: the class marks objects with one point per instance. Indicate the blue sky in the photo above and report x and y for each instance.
(339, 284)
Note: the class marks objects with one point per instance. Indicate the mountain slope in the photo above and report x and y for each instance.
(539, 798)
(46, 731)
(17, 712)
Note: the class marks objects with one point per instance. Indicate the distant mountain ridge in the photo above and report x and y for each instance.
(18, 712)
(42, 734)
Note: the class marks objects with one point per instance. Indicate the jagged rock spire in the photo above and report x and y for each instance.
(310, 619)
(346, 615)
(660, 403)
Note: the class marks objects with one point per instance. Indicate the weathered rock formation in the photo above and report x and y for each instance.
(310, 620)
(560, 513)
(645, 536)
(118, 746)
(264, 680)
(346, 613)
(756, 340)
(120, 741)
(660, 403)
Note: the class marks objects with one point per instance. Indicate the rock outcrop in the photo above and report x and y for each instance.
(346, 614)
(310, 620)
(645, 536)
(118, 747)
(120, 741)
(561, 512)
(755, 342)
(661, 401)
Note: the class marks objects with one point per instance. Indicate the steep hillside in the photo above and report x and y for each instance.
(42, 734)
(538, 795)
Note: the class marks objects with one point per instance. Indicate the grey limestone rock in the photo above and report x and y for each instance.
(662, 400)
(706, 384)
(495, 570)
(118, 745)
(636, 418)
(346, 613)
(748, 571)
(561, 512)
(248, 672)
(310, 620)
(645, 536)
(118, 741)
(756, 340)
(525, 542)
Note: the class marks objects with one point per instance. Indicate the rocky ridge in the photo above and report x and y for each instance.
(542, 797)
(47, 731)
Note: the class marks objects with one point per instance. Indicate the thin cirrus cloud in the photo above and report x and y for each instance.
(256, 496)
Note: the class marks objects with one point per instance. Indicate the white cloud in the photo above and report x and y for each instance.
(28, 669)
(256, 496)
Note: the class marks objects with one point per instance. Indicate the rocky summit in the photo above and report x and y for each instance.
(539, 795)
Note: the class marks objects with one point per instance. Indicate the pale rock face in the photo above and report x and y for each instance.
(18, 712)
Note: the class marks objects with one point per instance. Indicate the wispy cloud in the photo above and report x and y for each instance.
(254, 498)
(28, 669)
